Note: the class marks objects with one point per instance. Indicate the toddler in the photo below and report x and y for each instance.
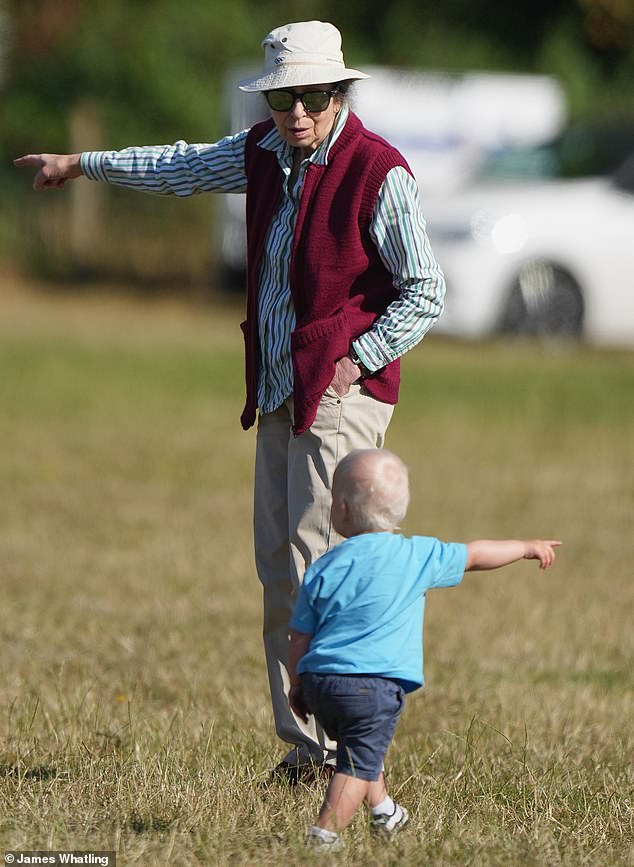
(356, 635)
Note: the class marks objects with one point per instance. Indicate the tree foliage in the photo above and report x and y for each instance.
(156, 67)
(154, 70)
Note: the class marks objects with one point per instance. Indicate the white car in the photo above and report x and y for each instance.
(550, 257)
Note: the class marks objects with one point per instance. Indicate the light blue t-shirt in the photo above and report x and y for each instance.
(363, 603)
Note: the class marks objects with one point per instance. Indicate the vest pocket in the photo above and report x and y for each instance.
(315, 348)
(320, 329)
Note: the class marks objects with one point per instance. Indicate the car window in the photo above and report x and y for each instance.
(623, 178)
(519, 163)
(582, 151)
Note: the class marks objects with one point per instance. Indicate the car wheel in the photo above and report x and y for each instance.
(544, 300)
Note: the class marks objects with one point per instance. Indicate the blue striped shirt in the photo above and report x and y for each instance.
(397, 229)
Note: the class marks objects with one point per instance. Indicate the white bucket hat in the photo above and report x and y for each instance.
(308, 52)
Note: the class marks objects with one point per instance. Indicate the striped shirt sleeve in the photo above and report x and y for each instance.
(180, 169)
(398, 230)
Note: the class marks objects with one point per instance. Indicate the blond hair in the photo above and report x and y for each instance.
(374, 485)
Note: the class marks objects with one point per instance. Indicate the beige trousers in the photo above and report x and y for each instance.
(293, 478)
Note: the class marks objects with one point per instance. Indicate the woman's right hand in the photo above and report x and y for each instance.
(53, 170)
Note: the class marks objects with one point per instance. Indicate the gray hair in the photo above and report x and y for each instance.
(346, 92)
(374, 485)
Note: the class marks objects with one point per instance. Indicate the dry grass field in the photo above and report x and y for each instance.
(134, 709)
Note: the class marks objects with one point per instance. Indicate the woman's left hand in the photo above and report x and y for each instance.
(346, 372)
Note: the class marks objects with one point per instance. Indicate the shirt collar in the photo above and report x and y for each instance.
(273, 141)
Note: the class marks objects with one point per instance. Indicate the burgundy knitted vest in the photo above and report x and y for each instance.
(339, 285)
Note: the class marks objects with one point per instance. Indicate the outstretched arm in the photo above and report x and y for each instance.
(491, 554)
(180, 169)
(53, 170)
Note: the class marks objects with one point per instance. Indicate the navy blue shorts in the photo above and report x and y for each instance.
(360, 712)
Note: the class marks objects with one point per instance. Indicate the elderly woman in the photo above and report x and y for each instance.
(341, 282)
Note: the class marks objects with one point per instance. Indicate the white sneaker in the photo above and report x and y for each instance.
(322, 844)
(388, 825)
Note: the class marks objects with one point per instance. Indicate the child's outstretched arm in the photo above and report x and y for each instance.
(491, 554)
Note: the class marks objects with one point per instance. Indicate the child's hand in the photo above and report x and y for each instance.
(297, 703)
(537, 549)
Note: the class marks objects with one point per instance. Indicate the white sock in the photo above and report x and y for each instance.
(386, 807)
(324, 834)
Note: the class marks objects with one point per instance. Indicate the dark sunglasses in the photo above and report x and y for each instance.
(312, 100)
